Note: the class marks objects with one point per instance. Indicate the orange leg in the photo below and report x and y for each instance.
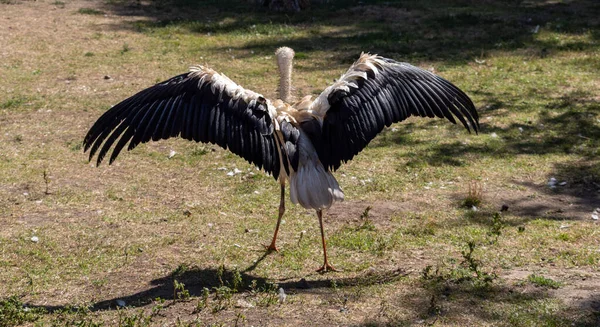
(326, 266)
(272, 247)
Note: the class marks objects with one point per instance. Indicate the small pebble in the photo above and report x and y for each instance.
(121, 303)
(35, 239)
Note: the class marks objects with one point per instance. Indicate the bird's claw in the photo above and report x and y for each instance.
(271, 248)
(326, 268)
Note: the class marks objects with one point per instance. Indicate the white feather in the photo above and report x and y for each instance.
(312, 186)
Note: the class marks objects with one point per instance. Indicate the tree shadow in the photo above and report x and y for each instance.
(527, 304)
(450, 31)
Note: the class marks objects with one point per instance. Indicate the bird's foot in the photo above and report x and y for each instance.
(326, 268)
(271, 248)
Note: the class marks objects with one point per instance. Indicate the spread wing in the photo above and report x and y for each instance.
(376, 92)
(202, 106)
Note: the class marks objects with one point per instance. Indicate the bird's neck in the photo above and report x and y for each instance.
(284, 63)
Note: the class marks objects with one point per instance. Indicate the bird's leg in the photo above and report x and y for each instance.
(326, 266)
(272, 247)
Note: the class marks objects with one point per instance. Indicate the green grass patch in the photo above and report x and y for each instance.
(90, 11)
(541, 281)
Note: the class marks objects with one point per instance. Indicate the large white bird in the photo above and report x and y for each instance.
(302, 142)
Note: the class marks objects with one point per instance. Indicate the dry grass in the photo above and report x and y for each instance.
(128, 231)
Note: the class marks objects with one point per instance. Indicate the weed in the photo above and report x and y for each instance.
(78, 316)
(367, 224)
(434, 309)
(268, 295)
(469, 270)
(13, 313)
(202, 301)
(179, 291)
(180, 270)
(46, 181)
(223, 295)
(140, 318)
(236, 281)
(542, 281)
(125, 48)
(13, 102)
(496, 227)
(474, 195)
(240, 318)
(474, 265)
(90, 11)
(199, 151)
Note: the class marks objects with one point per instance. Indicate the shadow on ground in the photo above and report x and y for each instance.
(197, 279)
(431, 299)
(452, 31)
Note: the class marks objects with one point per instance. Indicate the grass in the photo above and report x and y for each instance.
(180, 242)
(542, 281)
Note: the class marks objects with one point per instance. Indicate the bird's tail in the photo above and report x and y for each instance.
(314, 188)
(311, 185)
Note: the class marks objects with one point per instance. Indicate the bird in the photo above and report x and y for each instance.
(297, 142)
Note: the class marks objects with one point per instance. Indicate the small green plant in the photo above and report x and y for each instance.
(13, 313)
(202, 301)
(140, 319)
(12, 102)
(90, 11)
(542, 281)
(367, 224)
(474, 265)
(474, 195)
(46, 181)
(223, 295)
(240, 318)
(199, 151)
(236, 281)
(180, 270)
(268, 295)
(125, 48)
(179, 291)
(496, 228)
(74, 316)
